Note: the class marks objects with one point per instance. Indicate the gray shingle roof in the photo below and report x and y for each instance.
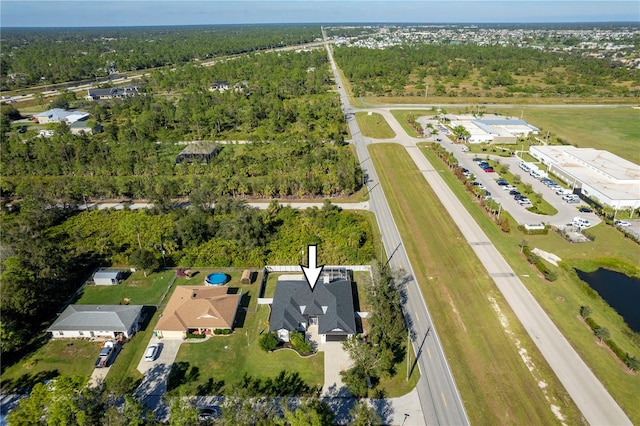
(97, 318)
(332, 303)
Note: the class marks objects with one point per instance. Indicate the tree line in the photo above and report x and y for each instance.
(283, 107)
(401, 70)
(37, 56)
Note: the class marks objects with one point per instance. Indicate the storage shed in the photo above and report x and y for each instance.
(246, 277)
(107, 277)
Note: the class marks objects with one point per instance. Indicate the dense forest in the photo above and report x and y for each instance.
(46, 252)
(35, 56)
(283, 106)
(470, 70)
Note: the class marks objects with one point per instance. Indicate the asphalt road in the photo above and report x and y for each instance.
(439, 397)
(593, 400)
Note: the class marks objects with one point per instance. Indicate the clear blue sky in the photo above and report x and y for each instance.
(91, 13)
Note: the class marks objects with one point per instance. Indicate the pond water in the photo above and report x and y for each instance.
(621, 292)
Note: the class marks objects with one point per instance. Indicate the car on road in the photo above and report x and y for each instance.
(438, 140)
(585, 210)
(152, 352)
(207, 413)
(622, 223)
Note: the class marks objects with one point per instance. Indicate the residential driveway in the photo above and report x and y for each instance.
(154, 382)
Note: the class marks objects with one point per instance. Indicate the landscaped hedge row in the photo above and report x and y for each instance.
(524, 230)
(534, 259)
(630, 361)
(223, 331)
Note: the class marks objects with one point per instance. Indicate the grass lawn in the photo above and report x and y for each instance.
(483, 356)
(56, 357)
(140, 290)
(374, 126)
(562, 298)
(403, 116)
(224, 360)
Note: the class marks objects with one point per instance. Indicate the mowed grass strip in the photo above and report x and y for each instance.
(495, 383)
(562, 298)
(374, 125)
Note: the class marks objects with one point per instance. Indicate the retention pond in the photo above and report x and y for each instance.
(621, 292)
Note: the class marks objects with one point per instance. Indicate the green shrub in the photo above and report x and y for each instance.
(195, 336)
(269, 341)
(299, 342)
(533, 258)
(591, 323)
(622, 355)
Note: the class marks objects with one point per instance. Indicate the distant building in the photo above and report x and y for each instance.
(493, 130)
(600, 175)
(57, 115)
(111, 93)
(198, 152)
(220, 86)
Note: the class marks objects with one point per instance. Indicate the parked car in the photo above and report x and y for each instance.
(622, 223)
(514, 192)
(465, 149)
(209, 413)
(502, 182)
(569, 197)
(152, 352)
(581, 222)
(518, 197)
(489, 170)
(562, 191)
(477, 159)
(508, 187)
(585, 210)
(524, 200)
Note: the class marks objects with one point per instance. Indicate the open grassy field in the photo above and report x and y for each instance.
(374, 126)
(562, 298)
(616, 130)
(495, 384)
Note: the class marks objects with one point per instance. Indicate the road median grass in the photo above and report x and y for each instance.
(373, 125)
(468, 309)
(562, 298)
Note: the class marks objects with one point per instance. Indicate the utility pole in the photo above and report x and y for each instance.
(408, 354)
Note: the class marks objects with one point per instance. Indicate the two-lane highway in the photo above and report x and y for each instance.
(439, 397)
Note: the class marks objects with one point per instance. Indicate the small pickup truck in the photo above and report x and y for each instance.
(106, 353)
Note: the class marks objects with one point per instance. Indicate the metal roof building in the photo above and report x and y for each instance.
(88, 321)
(600, 175)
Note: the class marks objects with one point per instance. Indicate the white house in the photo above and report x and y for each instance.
(102, 321)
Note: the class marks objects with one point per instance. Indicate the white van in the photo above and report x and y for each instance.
(151, 353)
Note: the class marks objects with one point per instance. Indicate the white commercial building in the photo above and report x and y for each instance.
(493, 129)
(604, 177)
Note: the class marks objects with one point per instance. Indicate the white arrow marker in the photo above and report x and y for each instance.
(312, 273)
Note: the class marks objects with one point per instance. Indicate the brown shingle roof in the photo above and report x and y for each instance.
(199, 306)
